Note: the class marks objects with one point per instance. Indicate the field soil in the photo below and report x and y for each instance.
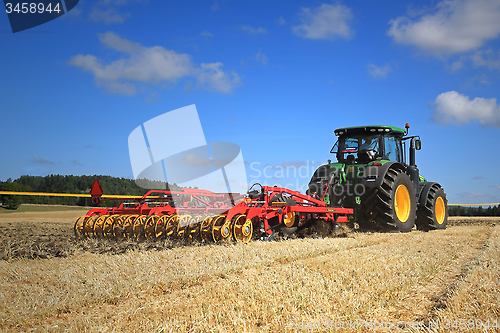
(441, 281)
(47, 234)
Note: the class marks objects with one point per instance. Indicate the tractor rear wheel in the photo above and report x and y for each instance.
(433, 213)
(394, 204)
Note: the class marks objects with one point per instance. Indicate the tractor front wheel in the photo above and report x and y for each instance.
(433, 212)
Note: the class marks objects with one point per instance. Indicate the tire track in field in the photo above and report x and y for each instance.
(441, 299)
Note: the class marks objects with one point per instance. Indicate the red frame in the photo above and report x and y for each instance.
(231, 204)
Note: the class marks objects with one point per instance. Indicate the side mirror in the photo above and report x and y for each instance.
(418, 144)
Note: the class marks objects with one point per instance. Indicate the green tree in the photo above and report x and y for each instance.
(11, 201)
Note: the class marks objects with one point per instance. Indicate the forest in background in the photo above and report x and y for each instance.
(125, 186)
(73, 185)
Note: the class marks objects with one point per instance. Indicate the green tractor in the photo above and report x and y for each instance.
(372, 176)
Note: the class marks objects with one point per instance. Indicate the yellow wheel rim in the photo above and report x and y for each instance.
(440, 210)
(217, 224)
(160, 226)
(117, 231)
(80, 226)
(128, 225)
(98, 225)
(205, 231)
(402, 203)
(182, 226)
(289, 219)
(225, 231)
(242, 229)
(149, 226)
(171, 225)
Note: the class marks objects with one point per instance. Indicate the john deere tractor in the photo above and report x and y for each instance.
(374, 175)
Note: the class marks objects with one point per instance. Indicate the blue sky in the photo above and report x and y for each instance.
(276, 78)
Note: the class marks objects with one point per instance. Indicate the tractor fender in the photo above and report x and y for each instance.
(374, 175)
(424, 191)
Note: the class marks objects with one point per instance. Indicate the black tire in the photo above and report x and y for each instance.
(432, 213)
(393, 205)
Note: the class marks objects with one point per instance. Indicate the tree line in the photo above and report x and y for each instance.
(474, 211)
(73, 185)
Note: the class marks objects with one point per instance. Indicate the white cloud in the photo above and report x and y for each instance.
(215, 6)
(206, 34)
(108, 15)
(471, 195)
(75, 12)
(261, 57)
(457, 65)
(281, 21)
(454, 108)
(379, 72)
(106, 11)
(254, 31)
(486, 58)
(150, 65)
(455, 26)
(483, 79)
(192, 159)
(325, 22)
(212, 78)
(41, 160)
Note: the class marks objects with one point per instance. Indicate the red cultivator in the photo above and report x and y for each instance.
(208, 216)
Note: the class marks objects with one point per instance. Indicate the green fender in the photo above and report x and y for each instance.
(374, 175)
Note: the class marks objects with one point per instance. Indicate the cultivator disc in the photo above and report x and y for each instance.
(242, 228)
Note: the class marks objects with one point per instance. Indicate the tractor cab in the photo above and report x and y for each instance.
(362, 145)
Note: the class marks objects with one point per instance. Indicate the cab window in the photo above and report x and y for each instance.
(392, 152)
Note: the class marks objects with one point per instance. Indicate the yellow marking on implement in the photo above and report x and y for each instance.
(83, 195)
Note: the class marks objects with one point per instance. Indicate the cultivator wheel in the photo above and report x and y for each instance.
(221, 228)
(161, 223)
(79, 227)
(138, 227)
(242, 228)
(98, 226)
(182, 226)
(206, 229)
(128, 226)
(193, 230)
(149, 227)
(107, 226)
(171, 225)
(117, 230)
(88, 228)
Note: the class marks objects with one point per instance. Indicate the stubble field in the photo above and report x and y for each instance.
(442, 281)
